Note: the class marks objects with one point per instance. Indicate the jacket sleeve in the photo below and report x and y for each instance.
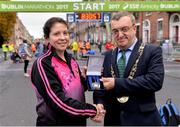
(49, 87)
(149, 81)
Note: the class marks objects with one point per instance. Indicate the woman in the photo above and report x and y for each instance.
(57, 81)
(25, 54)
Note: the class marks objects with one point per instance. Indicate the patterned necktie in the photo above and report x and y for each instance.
(122, 64)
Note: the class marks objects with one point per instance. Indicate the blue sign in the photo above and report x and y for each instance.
(71, 18)
(106, 17)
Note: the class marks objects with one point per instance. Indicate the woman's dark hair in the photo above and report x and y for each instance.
(50, 22)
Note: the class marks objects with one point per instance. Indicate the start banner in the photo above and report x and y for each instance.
(35, 6)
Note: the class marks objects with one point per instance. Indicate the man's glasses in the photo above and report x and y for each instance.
(122, 29)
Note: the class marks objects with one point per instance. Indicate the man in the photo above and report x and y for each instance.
(129, 98)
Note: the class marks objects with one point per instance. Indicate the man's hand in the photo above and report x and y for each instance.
(108, 83)
(100, 113)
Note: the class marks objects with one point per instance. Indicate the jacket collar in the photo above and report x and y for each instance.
(134, 55)
(67, 56)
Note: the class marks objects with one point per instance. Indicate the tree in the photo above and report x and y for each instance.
(7, 22)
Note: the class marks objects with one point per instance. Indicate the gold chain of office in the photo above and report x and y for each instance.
(124, 99)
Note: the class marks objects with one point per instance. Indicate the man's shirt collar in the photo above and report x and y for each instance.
(131, 47)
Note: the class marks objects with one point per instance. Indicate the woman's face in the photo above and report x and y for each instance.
(59, 37)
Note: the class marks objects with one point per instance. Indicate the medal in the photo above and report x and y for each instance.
(123, 99)
(96, 85)
(94, 82)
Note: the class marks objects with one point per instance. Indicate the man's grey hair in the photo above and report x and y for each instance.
(118, 15)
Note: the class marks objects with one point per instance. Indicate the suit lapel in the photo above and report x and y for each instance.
(132, 59)
(114, 61)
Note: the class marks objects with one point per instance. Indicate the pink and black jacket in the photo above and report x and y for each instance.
(59, 91)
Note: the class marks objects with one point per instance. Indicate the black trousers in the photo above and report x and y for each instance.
(26, 62)
(5, 55)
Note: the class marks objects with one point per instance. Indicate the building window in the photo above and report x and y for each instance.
(146, 24)
(136, 15)
(176, 19)
(146, 31)
(138, 32)
(160, 30)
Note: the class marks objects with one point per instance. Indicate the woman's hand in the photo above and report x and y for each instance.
(84, 71)
(100, 113)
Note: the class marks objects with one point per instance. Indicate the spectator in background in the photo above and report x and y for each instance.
(25, 54)
(39, 49)
(75, 49)
(15, 57)
(5, 49)
(11, 48)
(100, 45)
(33, 48)
(88, 45)
(109, 45)
(81, 47)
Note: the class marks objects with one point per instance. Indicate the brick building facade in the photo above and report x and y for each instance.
(155, 27)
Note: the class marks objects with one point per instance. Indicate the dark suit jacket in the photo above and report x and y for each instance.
(140, 108)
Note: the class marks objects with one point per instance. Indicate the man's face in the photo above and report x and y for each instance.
(123, 32)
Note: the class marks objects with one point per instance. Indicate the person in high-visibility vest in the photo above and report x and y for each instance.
(75, 48)
(5, 49)
(80, 47)
(11, 48)
(88, 46)
(33, 47)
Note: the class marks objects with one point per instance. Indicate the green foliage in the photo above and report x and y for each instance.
(7, 22)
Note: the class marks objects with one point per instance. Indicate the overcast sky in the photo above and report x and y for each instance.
(34, 21)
